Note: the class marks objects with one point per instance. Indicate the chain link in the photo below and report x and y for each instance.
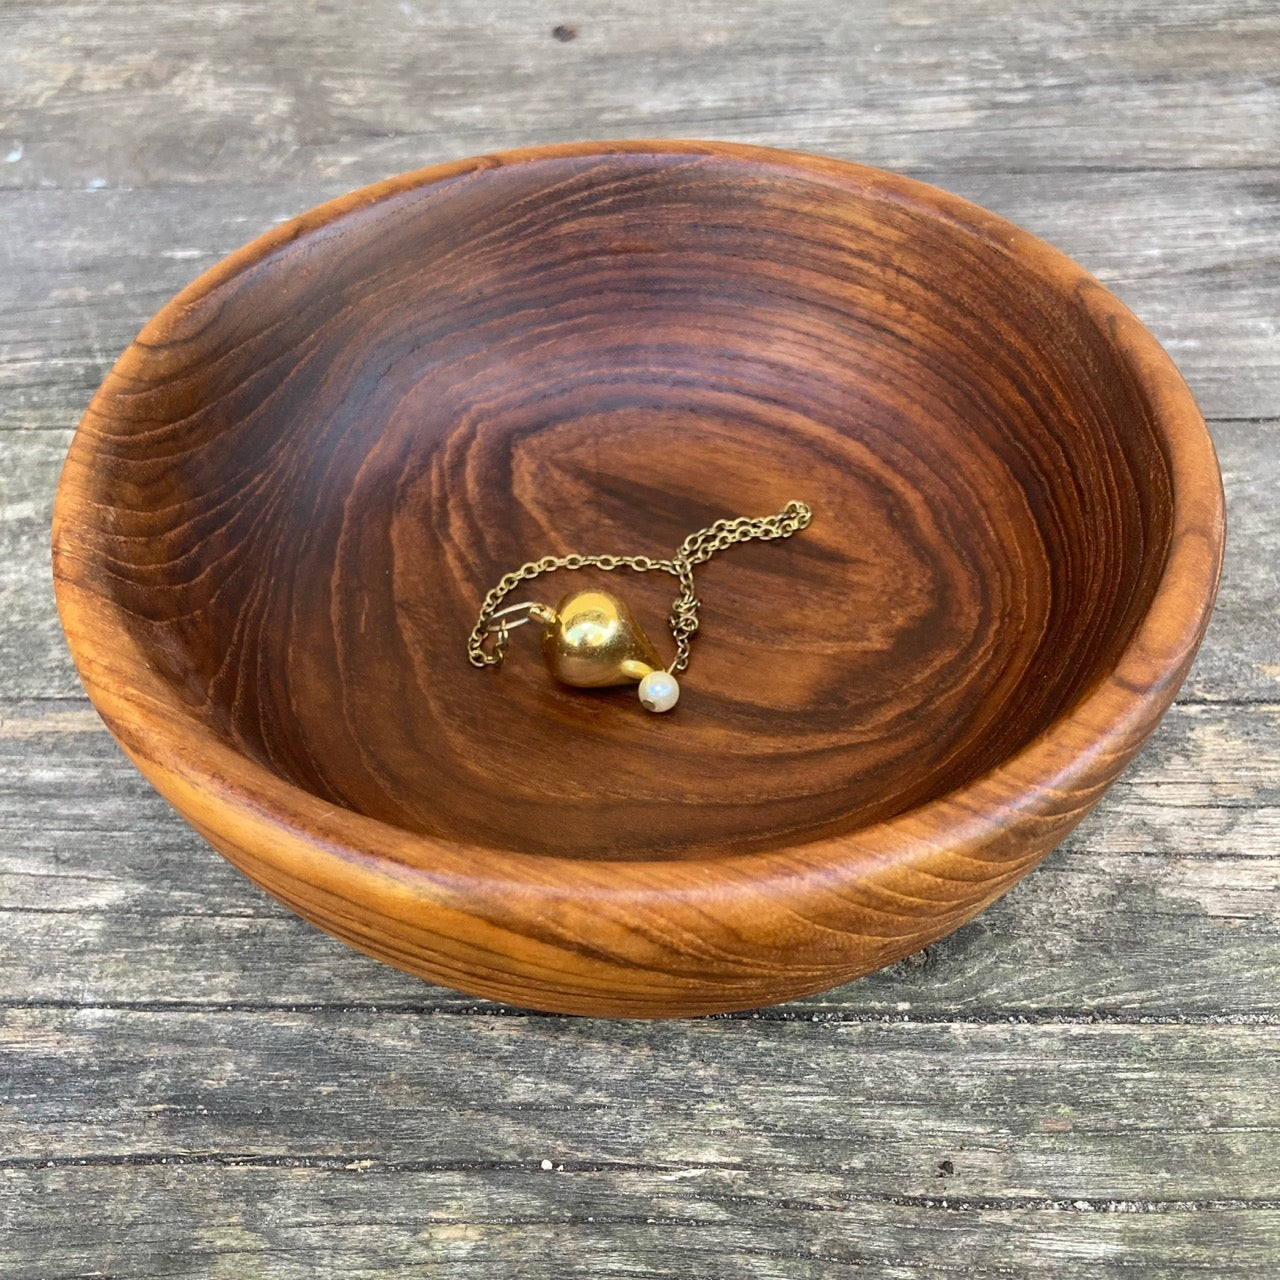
(697, 548)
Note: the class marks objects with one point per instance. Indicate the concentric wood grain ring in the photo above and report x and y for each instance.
(283, 506)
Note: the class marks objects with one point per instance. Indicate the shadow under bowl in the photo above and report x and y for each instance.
(284, 505)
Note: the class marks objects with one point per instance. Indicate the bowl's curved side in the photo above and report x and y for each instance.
(617, 939)
(660, 938)
(628, 939)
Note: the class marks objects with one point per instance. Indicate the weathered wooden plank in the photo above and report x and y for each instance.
(1240, 660)
(145, 92)
(222, 1221)
(1161, 906)
(370, 1141)
(32, 651)
(879, 1105)
(1191, 253)
(1240, 657)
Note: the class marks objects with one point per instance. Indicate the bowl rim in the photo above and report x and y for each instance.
(1050, 781)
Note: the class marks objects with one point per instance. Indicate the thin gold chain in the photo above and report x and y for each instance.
(696, 549)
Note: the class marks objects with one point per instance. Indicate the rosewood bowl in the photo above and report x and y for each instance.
(282, 509)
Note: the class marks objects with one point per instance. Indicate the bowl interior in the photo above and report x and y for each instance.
(320, 466)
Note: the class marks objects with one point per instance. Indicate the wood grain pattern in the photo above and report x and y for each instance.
(322, 453)
(1242, 664)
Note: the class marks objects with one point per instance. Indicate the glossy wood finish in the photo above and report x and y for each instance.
(283, 506)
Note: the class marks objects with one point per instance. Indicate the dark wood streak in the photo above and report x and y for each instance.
(285, 502)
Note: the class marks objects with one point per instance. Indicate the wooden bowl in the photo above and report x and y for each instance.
(283, 506)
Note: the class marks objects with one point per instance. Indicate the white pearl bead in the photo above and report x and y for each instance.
(659, 691)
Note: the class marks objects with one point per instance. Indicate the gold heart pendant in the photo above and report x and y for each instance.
(593, 640)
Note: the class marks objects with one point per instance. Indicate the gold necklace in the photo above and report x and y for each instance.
(591, 639)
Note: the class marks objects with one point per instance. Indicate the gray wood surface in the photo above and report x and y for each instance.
(1084, 1081)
